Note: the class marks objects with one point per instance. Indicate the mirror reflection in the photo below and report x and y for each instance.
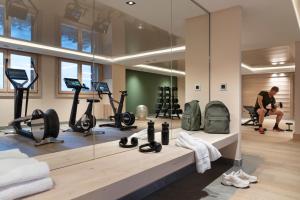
(78, 76)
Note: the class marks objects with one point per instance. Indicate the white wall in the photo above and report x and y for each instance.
(48, 97)
(226, 28)
(197, 59)
(297, 91)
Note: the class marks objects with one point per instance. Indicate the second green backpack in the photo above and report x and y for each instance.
(216, 118)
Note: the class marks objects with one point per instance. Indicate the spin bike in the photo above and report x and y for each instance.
(87, 120)
(122, 120)
(43, 128)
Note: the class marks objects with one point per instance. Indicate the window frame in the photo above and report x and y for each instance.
(7, 26)
(80, 29)
(3, 90)
(70, 94)
(7, 91)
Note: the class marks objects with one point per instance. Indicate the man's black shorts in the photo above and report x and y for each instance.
(267, 113)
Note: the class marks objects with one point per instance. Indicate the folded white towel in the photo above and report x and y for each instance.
(12, 163)
(25, 189)
(19, 172)
(12, 153)
(204, 152)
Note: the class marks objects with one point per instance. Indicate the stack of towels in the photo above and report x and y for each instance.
(205, 152)
(22, 176)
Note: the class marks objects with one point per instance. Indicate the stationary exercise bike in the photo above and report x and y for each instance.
(122, 120)
(87, 120)
(43, 128)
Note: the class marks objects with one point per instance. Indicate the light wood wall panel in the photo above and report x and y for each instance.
(253, 84)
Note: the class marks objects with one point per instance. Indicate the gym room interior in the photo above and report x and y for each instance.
(150, 100)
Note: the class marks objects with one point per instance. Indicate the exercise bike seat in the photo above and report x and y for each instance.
(93, 100)
(124, 92)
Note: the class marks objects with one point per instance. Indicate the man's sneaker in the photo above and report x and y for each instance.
(232, 180)
(277, 129)
(261, 130)
(244, 176)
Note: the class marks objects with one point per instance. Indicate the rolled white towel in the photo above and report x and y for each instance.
(28, 170)
(12, 153)
(25, 189)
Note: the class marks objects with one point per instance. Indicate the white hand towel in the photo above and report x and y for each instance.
(25, 189)
(12, 153)
(204, 151)
(24, 173)
(214, 153)
(201, 151)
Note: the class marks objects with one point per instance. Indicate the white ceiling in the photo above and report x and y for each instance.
(266, 23)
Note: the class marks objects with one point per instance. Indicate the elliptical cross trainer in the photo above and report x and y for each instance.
(87, 120)
(119, 117)
(43, 127)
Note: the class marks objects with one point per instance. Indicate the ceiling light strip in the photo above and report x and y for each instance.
(150, 67)
(49, 48)
(21, 43)
(263, 68)
(150, 53)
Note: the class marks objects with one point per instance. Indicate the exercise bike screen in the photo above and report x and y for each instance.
(103, 87)
(72, 83)
(17, 74)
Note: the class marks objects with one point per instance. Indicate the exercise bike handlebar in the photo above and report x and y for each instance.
(21, 85)
(84, 87)
(35, 73)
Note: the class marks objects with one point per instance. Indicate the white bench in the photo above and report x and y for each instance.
(117, 175)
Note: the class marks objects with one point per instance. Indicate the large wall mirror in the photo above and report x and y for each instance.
(105, 69)
(49, 47)
(153, 57)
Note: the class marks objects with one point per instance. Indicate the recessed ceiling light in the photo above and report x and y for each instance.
(140, 26)
(131, 3)
(274, 63)
(281, 63)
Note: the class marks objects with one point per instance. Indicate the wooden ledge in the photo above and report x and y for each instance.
(117, 175)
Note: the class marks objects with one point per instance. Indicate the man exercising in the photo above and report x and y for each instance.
(266, 105)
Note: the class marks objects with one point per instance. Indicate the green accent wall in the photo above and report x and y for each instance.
(142, 89)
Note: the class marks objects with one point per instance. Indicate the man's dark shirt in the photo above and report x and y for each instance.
(266, 100)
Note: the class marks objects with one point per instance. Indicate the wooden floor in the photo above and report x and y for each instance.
(275, 159)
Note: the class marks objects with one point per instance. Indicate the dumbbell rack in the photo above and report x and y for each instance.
(167, 103)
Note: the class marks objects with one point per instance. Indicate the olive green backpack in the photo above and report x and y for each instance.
(216, 118)
(191, 118)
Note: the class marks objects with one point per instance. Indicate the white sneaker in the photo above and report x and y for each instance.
(233, 180)
(244, 176)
